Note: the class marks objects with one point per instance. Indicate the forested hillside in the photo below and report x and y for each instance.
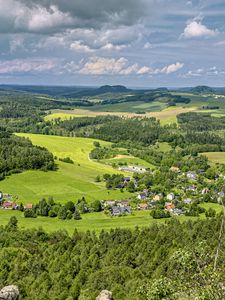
(172, 261)
(18, 154)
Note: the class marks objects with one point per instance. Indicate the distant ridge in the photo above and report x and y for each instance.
(202, 89)
(112, 89)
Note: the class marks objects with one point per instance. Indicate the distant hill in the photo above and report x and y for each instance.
(202, 89)
(112, 89)
(66, 91)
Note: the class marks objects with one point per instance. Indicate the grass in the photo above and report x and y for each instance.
(163, 147)
(71, 181)
(215, 157)
(129, 160)
(94, 221)
(62, 116)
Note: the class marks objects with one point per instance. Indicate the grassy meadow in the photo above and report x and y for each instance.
(128, 159)
(215, 157)
(70, 181)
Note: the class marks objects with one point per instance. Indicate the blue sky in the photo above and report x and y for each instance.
(141, 43)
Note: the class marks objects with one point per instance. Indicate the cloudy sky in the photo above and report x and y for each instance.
(146, 43)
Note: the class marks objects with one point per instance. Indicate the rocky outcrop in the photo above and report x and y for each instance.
(105, 295)
(10, 292)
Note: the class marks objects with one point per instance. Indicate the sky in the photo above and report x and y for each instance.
(137, 43)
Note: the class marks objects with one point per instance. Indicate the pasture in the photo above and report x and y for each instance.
(70, 181)
(128, 159)
(215, 157)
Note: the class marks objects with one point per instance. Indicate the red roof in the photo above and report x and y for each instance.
(170, 206)
(9, 204)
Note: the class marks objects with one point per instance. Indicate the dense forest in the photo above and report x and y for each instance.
(18, 154)
(172, 261)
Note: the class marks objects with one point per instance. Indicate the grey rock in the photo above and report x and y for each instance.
(105, 295)
(10, 292)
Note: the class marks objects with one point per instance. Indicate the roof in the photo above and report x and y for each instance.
(143, 205)
(170, 206)
(28, 206)
(9, 204)
(127, 178)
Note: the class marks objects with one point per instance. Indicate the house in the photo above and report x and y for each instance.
(146, 192)
(205, 191)
(158, 197)
(127, 179)
(177, 211)
(108, 203)
(117, 211)
(28, 206)
(220, 197)
(188, 201)
(120, 186)
(9, 205)
(143, 206)
(221, 194)
(124, 203)
(191, 188)
(175, 169)
(169, 206)
(191, 175)
(137, 169)
(170, 197)
(141, 196)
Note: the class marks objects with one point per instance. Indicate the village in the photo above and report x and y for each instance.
(160, 204)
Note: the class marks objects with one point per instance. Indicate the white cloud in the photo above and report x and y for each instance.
(172, 68)
(102, 66)
(41, 18)
(26, 66)
(119, 66)
(195, 73)
(111, 47)
(144, 70)
(16, 42)
(148, 45)
(79, 47)
(133, 69)
(15, 17)
(196, 29)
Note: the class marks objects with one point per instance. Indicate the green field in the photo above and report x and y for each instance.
(216, 157)
(92, 221)
(132, 107)
(130, 160)
(71, 181)
(62, 116)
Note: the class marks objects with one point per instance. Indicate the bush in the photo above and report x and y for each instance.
(29, 213)
(67, 160)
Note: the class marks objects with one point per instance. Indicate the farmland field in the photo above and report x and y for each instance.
(216, 157)
(70, 181)
(166, 116)
(129, 160)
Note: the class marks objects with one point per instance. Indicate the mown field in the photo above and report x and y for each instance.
(166, 116)
(70, 181)
(93, 221)
(215, 157)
